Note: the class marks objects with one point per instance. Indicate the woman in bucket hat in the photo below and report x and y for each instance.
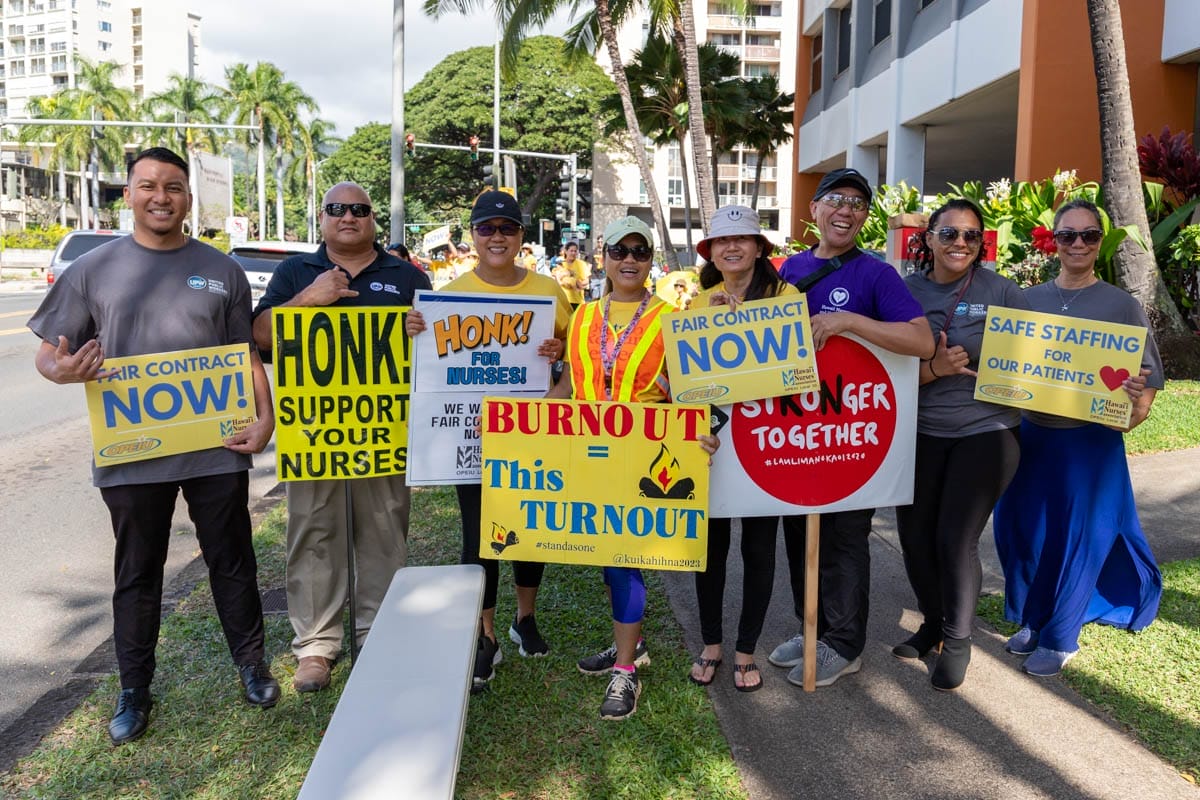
(737, 268)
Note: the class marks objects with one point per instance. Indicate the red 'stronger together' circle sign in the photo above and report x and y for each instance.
(817, 448)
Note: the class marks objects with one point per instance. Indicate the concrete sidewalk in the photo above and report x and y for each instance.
(886, 733)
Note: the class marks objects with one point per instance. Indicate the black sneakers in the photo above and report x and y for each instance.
(525, 634)
(487, 656)
(620, 699)
(603, 662)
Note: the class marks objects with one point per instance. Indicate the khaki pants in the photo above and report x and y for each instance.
(317, 583)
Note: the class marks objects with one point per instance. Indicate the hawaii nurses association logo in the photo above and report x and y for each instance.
(820, 447)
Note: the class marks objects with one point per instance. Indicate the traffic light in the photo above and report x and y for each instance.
(474, 142)
(562, 205)
(410, 145)
(489, 176)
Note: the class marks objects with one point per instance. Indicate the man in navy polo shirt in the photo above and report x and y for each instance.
(848, 291)
(349, 269)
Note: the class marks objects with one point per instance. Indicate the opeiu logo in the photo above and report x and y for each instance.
(131, 448)
(1006, 392)
(702, 394)
(196, 282)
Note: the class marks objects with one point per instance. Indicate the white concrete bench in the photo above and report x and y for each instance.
(398, 726)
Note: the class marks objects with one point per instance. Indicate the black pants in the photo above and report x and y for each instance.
(141, 520)
(844, 574)
(958, 482)
(526, 574)
(758, 578)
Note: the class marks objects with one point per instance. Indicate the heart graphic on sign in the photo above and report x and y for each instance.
(1113, 378)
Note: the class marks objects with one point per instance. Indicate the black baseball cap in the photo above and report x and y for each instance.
(496, 205)
(838, 178)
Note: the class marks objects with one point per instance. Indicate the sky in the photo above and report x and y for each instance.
(339, 51)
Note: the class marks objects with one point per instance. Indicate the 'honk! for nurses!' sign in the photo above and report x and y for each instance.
(609, 484)
(473, 345)
(341, 392)
(850, 444)
(168, 403)
(1059, 365)
(760, 349)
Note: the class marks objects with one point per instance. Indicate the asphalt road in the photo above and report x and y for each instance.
(55, 538)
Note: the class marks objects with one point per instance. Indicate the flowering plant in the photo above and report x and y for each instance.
(1043, 240)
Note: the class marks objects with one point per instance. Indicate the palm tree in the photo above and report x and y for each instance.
(262, 96)
(518, 17)
(766, 127)
(315, 140)
(660, 98)
(1120, 177)
(95, 96)
(186, 100)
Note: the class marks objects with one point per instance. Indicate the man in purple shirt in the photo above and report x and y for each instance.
(848, 291)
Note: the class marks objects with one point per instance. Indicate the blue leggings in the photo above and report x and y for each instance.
(628, 593)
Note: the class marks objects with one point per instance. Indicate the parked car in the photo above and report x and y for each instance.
(259, 259)
(75, 244)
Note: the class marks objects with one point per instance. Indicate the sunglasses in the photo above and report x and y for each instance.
(640, 252)
(836, 200)
(340, 209)
(1066, 238)
(507, 228)
(950, 235)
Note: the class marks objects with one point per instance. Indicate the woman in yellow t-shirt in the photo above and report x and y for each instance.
(497, 231)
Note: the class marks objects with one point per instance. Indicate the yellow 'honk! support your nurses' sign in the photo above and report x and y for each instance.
(341, 392)
(762, 348)
(168, 403)
(1059, 365)
(581, 482)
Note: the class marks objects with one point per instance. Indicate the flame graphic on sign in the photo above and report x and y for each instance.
(664, 469)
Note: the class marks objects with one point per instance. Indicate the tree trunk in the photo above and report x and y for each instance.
(62, 193)
(261, 177)
(279, 226)
(1121, 179)
(609, 33)
(757, 179)
(688, 52)
(687, 204)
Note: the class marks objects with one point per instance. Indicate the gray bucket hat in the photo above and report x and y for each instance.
(732, 221)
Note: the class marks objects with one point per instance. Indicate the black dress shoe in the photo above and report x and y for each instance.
(262, 689)
(132, 715)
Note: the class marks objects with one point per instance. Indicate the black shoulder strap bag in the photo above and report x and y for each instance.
(832, 265)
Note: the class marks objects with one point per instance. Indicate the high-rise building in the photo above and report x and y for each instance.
(42, 39)
(40, 42)
(765, 42)
(938, 92)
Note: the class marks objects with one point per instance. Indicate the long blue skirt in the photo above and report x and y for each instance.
(1069, 539)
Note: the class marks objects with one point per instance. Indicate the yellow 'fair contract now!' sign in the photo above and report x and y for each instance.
(168, 403)
(763, 348)
(609, 484)
(1059, 365)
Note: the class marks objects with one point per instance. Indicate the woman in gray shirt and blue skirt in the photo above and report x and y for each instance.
(967, 450)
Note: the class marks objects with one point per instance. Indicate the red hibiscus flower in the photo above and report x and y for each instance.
(1043, 240)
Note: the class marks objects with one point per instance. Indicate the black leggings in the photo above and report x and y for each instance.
(958, 481)
(526, 574)
(758, 578)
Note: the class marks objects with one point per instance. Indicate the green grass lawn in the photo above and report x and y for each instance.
(535, 733)
(1174, 422)
(1147, 681)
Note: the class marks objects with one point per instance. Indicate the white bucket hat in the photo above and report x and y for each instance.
(732, 221)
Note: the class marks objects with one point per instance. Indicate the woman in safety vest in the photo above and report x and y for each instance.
(615, 352)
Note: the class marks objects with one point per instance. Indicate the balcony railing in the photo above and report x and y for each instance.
(758, 52)
(764, 200)
(732, 22)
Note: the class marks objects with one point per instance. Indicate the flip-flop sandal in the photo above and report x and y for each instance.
(743, 669)
(705, 663)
